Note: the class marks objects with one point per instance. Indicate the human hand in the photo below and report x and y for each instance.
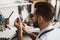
(24, 28)
(17, 24)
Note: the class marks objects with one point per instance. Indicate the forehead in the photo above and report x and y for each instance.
(34, 15)
(34, 11)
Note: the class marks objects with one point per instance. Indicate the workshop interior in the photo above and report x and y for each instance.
(11, 9)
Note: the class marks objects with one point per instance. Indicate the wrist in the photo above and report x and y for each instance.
(19, 28)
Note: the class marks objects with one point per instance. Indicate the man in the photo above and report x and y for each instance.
(43, 15)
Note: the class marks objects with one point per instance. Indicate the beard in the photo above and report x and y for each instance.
(35, 24)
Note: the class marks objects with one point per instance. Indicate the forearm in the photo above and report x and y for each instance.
(19, 35)
(32, 35)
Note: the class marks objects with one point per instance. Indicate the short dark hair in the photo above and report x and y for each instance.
(45, 9)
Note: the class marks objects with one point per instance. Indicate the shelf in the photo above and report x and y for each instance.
(13, 4)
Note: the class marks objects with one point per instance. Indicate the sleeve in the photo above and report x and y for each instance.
(54, 35)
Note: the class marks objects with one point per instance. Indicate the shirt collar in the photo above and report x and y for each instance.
(47, 28)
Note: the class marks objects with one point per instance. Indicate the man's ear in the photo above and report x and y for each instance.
(40, 19)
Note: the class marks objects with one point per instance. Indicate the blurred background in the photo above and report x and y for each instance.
(11, 9)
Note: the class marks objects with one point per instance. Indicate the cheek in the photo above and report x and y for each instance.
(33, 19)
(35, 24)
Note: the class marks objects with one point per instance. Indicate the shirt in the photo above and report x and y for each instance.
(52, 35)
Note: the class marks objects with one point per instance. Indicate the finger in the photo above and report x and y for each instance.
(23, 24)
(18, 20)
(15, 22)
